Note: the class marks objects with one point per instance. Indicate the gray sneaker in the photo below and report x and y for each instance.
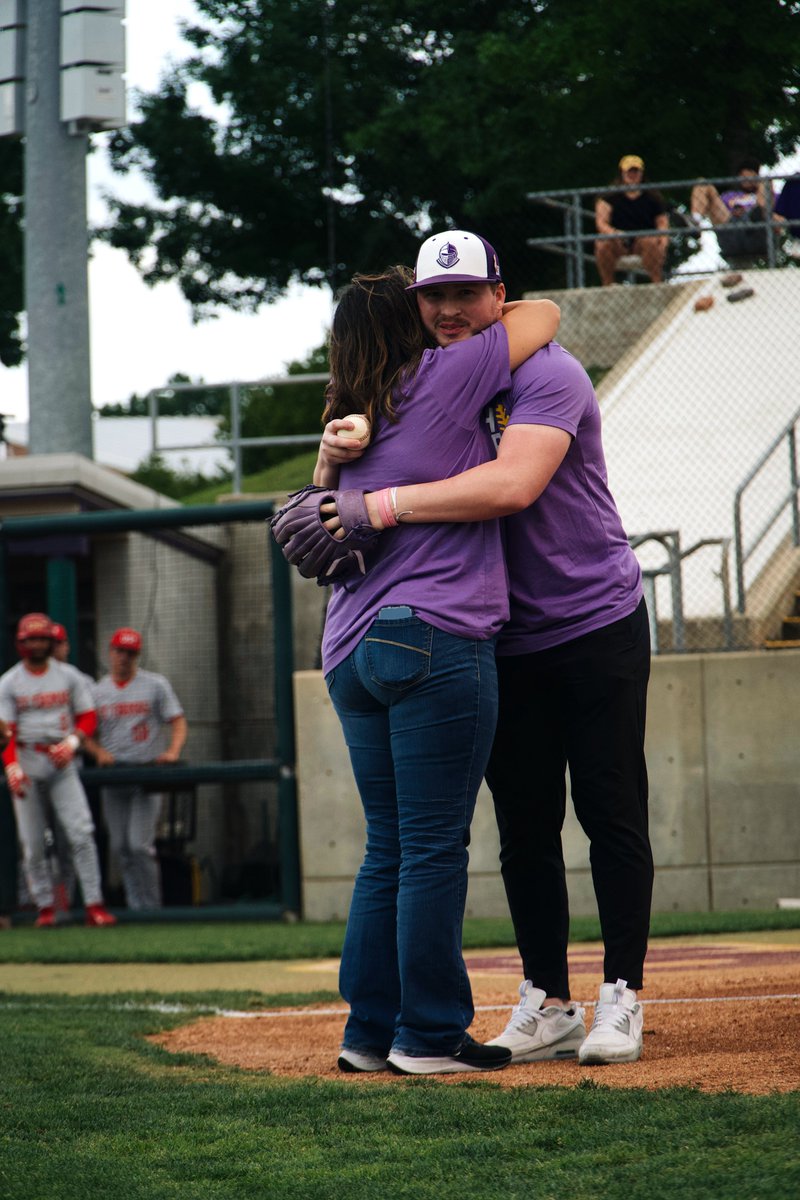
(534, 1033)
(616, 1033)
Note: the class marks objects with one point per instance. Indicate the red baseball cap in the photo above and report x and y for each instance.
(58, 633)
(127, 639)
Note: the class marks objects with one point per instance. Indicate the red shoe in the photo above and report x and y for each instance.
(97, 915)
(46, 918)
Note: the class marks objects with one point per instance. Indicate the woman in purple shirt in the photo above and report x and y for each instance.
(408, 655)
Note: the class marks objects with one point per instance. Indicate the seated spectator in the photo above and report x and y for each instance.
(632, 208)
(788, 206)
(742, 208)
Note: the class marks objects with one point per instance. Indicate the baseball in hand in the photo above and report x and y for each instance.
(361, 432)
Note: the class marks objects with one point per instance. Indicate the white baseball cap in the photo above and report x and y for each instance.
(455, 256)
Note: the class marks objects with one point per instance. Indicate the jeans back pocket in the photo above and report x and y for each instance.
(398, 652)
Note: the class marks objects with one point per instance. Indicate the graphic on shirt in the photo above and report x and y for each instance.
(496, 419)
(447, 256)
(131, 718)
(43, 705)
(739, 202)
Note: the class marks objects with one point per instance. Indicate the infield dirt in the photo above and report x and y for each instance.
(719, 1015)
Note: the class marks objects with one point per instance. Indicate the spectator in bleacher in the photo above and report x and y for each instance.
(741, 207)
(788, 206)
(139, 720)
(633, 207)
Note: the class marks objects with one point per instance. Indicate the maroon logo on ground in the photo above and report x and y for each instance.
(659, 958)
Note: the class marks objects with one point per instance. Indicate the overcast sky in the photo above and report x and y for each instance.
(141, 335)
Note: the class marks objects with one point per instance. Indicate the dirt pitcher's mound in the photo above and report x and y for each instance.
(716, 1018)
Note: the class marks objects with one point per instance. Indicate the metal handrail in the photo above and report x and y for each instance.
(742, 553)
(235, 443)
(670, 540)
(571, 243)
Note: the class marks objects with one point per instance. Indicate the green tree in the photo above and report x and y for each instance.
(11, 285)
(154, 472)
(199, 401)
(350, 124)
(349, 127)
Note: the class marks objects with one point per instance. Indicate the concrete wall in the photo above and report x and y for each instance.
(601, 325)
(724, 766)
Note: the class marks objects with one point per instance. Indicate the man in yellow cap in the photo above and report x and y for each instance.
(630, 207)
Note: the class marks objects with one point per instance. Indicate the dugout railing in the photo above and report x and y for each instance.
(278, 768)
(574, 245)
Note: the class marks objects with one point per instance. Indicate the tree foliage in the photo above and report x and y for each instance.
(345, 129)
(11, 285)
(199, 400)
(348, 125)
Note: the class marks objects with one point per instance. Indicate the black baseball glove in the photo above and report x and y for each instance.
(307, 544)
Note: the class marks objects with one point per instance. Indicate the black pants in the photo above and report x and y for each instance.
(580, 704)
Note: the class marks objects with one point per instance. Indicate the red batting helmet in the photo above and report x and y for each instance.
(33, 625)
(58, 633)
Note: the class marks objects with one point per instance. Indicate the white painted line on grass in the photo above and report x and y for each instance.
(209, 1011)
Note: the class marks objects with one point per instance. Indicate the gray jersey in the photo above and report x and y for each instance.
(43, 706)
(131, 716)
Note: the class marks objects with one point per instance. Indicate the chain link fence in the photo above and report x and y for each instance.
(698, 380)
(214, 610)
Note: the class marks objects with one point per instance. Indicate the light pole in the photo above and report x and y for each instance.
(72, 57)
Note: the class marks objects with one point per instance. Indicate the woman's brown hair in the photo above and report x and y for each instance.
(377, 340)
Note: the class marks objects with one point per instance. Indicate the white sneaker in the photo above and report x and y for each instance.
(535, 1033)
(616, 1033)
(356, 1061)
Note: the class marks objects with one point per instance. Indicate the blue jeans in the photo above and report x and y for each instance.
(418, 708)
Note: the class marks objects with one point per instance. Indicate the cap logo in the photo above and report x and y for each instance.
(447, 256)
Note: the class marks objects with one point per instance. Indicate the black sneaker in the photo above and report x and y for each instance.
(470, 1056)
(356, 1061)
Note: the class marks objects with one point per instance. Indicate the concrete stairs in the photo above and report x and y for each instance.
(790, 630)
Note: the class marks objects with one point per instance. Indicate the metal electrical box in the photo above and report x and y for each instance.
(68, 6)
(92, 59)
(92, 37)
(93, 95)
(12, 67)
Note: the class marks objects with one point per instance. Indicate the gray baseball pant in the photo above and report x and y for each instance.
(71, 807)
(131, 818)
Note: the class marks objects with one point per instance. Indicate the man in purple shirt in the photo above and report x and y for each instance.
(573, 667)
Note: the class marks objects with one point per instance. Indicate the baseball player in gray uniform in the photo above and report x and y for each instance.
(64, 885)
(49, 710)
(135, 708)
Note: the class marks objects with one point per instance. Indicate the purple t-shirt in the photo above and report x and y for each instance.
(452, 575)
(571, 568)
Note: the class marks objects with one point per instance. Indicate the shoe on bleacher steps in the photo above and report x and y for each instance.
(470, 1056)
(616, 1033)
(534, 1033)
(355, 1062)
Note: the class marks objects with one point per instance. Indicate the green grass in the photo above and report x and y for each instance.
(92, 1111)
(286, 476)
(252, 941)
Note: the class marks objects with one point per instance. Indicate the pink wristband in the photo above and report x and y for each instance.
(385, 513)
